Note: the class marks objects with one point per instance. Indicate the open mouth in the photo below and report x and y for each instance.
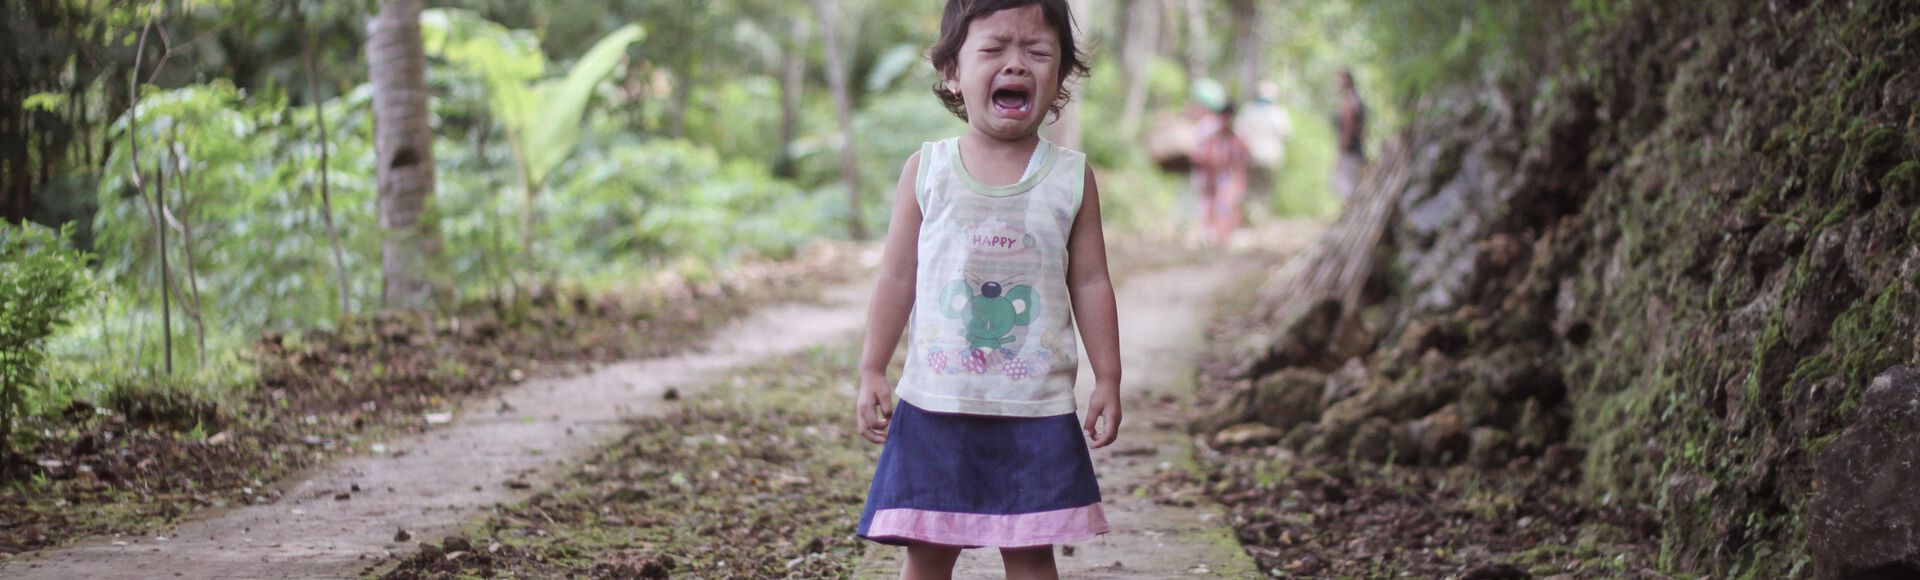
(1014, 102)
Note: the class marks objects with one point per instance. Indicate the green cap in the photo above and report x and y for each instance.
(1209, 93)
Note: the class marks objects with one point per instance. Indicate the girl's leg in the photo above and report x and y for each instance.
(1233, 190)
(929, 562)
(1202, 182)
(1209, 207)
(1034, 563)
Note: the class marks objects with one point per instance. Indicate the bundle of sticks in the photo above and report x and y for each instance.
(1338, 264)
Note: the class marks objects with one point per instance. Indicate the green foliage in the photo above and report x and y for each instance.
(41, 282)
(542, 117)
(1423, 43)
(1301, 185)
(740, 118)
(890, 129)
(645, 203)
(241, 175)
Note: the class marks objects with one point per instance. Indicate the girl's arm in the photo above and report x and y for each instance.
(892, 302)
(1094, 312)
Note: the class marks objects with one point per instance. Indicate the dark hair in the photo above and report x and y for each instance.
(960, 14)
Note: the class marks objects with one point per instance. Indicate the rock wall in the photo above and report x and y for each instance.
(1674, 264)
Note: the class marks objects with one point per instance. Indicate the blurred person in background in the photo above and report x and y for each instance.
(1352, 124)
(1264, 126)
(1220, 165)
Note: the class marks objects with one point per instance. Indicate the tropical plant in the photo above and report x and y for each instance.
(41, 281)
(542, 117)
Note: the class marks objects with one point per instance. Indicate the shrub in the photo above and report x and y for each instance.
(42, 279)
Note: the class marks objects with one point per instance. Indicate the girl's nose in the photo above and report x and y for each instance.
(1017, 65)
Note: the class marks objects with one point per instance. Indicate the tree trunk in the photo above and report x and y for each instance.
(180, 223)
(403, 154)
(793, 81)
(326, 194)
(682, 99)
(153, 204)
(1196, 40)
(1141, 42)
(1248, 42)
(1065, 130)
(843, 107)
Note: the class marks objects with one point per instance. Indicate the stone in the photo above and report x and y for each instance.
(1864, 518)
(1438, 438)
(1568, 322)
(1353, 336)
(1518, 372)
(1419, 335)
(1345, 382)
(1246, 435)
(1488, 447)
(1288, 398)
(1283, 399)
(1434, 382)
(1373, 442)
(1302, 342)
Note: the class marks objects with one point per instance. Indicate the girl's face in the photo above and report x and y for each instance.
(1008, 72)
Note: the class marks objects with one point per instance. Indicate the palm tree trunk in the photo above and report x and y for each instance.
(843, 107)
(403, 151)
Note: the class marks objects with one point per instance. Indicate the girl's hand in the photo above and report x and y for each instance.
(1103, 410)
(874, 407)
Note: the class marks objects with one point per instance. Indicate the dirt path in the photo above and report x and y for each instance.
(335, 522)
(1163, 316)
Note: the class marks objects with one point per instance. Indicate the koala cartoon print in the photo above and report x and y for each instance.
(989, 315)
(994, 310)
(994, 334)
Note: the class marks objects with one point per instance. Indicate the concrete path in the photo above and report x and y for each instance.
(432, 482)
(1163, 315)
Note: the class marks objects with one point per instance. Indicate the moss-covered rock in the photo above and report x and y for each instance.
(1680, 259)
(1865, 517)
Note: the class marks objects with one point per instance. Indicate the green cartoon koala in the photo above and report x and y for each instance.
(990, 315)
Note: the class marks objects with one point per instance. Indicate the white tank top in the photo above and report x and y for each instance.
(992, 329)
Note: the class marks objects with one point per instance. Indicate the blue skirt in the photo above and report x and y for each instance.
(982, 481)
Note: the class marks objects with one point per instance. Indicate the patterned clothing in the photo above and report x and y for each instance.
(991, 330)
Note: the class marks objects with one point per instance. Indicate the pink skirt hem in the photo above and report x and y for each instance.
(990, 530)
